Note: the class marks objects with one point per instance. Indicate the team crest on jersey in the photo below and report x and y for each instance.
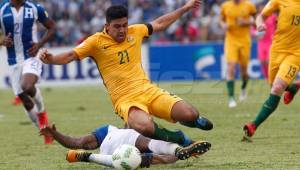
(130, 38)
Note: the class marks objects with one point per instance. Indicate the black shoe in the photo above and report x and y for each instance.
(204, 124)
(194, 149)
(200, 122)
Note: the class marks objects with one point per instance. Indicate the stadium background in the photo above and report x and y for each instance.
(191, 49)
(192, 52)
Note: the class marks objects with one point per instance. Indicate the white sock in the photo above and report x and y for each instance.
(105, 160)
(38, 99)
(32, 114)
(162, 147)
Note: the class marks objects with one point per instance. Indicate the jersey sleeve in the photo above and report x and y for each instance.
(272, 6)
(144, 30)
(100, 133)
(42, 13)
(86, 48)
(222, 13)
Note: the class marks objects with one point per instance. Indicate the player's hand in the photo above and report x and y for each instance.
(34, 49)
(193, 4)
(261, 28)
(8, 41)
(48, 130)
(45, 56)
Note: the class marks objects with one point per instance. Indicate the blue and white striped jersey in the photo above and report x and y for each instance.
(22, 25)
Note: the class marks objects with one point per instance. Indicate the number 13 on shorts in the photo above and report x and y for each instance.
(289, 72)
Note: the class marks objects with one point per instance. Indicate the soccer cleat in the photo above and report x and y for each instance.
(243, 95)
(204, 124)
(289, 96)
(43, 121)
(195, 149)
(77, 156)
(187, 141)
(232, 103)
(249, 130)
(16, 101)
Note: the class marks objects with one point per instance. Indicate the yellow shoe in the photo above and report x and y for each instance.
(195, 149)
(77, 156)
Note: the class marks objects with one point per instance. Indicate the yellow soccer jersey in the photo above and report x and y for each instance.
(287, 35)
(230, 14)
(118, 63)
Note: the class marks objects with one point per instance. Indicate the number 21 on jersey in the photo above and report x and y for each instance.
(123, 56)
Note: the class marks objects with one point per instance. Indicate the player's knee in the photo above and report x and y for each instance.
(278, 89)
(230, 71)
(192, 114)
(27, 88)
(244, 75)
(183, 111)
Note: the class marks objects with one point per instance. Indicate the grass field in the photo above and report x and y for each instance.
(78, 111)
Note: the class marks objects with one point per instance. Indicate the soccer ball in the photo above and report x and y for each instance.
(126, 157)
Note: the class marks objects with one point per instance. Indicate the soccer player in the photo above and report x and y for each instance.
(264, 42)
(236, 19)
(108, 138)
(19, 25)
(284, 57)
(117, 53)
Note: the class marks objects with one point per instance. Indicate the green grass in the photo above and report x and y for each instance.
(78, 111)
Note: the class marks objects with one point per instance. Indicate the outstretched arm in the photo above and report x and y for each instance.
(166, 20)
(271, 6)
(88, 142)
(260, 23)
(59, 59)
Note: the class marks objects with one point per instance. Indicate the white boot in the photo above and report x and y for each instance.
(232, 103)
(243, 95)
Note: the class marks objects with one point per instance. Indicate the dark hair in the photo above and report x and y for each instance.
(116, 12)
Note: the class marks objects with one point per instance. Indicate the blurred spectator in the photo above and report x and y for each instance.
(77, 19)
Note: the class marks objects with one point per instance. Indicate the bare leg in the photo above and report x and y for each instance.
(143, 123)
(188, 115)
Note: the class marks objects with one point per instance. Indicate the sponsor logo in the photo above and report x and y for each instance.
(204, 57)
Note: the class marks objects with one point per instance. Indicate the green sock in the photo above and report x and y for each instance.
(164, 134)
(269, 107)
(293, 88)
(230, 88)
(244, 82)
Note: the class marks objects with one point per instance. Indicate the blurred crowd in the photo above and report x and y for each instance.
(77, 19)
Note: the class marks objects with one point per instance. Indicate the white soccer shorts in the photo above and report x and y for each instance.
(32, 65)
(116, 138)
